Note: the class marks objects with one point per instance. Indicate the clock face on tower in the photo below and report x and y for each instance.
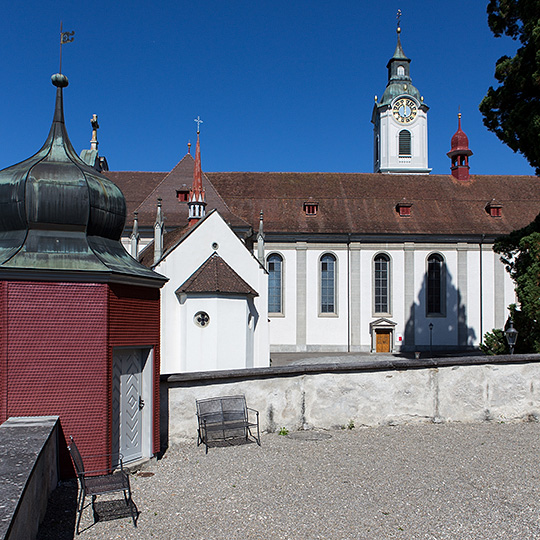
(404, 110)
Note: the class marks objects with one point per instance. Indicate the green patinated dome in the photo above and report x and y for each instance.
(399, 78)
(59, 214)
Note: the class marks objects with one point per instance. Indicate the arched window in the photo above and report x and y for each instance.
(275, 283)
(404, 143)
(381, 277)
(400, 71)
(435, 285)
(328, 283)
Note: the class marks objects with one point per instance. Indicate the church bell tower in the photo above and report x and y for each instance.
(400, 121)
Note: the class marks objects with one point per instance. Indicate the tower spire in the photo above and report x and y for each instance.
(197, 196)
(459, 154)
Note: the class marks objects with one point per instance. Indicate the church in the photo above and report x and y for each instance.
(394, 260)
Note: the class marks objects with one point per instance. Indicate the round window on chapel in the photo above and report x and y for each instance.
(201, 319)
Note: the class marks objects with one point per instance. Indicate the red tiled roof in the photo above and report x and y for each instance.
(363, 203)
(366, 203)
(143, 189)
(135, 186)
(216, 276)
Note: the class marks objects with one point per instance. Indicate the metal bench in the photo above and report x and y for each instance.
(224, 418)
(98, 482)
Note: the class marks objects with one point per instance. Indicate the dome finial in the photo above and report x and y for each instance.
(398, 17)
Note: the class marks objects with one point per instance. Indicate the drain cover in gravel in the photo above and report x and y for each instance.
(309, 435)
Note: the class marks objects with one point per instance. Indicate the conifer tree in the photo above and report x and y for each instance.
(512, 110)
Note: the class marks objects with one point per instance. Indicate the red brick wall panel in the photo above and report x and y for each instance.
(3, 352)
(134, 321)
(58, 361)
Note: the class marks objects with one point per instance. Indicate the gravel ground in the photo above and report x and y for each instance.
(449, 481)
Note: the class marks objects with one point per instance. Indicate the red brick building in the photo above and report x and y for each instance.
(80, 328)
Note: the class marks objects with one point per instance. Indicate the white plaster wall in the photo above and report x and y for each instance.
(445, 328)
(327, 328)
(180, 264)
(368, 315)
(222, 343)
(331, 331)
(282, 327)
(473, 292)
(330, 400)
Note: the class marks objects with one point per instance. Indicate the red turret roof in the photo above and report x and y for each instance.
(460, 141)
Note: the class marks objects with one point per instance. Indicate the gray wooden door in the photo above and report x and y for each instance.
(127, 403)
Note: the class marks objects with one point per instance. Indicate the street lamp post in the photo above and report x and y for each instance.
(511, 336)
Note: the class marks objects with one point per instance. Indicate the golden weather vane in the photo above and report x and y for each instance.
(65, 37)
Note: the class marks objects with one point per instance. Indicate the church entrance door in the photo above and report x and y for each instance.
(127, 403)
(383, 341)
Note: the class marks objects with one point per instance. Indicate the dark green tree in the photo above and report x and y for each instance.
(512, 110)
(520, 252)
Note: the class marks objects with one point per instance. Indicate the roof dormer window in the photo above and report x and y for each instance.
(311, 208)
(403, 208)
(182, 195)
(494, 209)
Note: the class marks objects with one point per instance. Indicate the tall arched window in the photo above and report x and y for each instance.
(328, 283)
(382, 283)
(275, 283)
(405, 143)
(435, 292)
(400, 71)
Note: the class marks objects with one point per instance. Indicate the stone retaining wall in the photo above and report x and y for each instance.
(463, 389)
(28, 473)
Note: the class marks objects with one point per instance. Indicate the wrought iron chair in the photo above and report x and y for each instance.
(99, 482)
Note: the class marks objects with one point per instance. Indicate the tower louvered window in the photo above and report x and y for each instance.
(404, 143)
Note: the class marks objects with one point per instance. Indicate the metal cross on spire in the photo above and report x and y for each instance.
(65, 37)
(398, 17)
(199, 122)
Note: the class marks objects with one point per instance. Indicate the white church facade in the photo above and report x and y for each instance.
(389, 261)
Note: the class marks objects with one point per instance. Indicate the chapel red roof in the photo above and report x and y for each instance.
(216, 276)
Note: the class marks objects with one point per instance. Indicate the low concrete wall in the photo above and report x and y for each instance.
(463, 389)
(28, 473)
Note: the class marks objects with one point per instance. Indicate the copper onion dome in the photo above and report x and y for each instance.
(60, 215)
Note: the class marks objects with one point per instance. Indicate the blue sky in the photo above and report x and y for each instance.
(280, 86)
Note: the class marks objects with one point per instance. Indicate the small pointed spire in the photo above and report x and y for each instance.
(197, 196)
(459, 153)
(134, 238)
(260, 240)
(158, 233)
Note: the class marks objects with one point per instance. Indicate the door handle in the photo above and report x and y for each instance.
(141, 402)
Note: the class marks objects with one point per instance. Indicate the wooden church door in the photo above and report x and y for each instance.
(127, 403)
(383, 341)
